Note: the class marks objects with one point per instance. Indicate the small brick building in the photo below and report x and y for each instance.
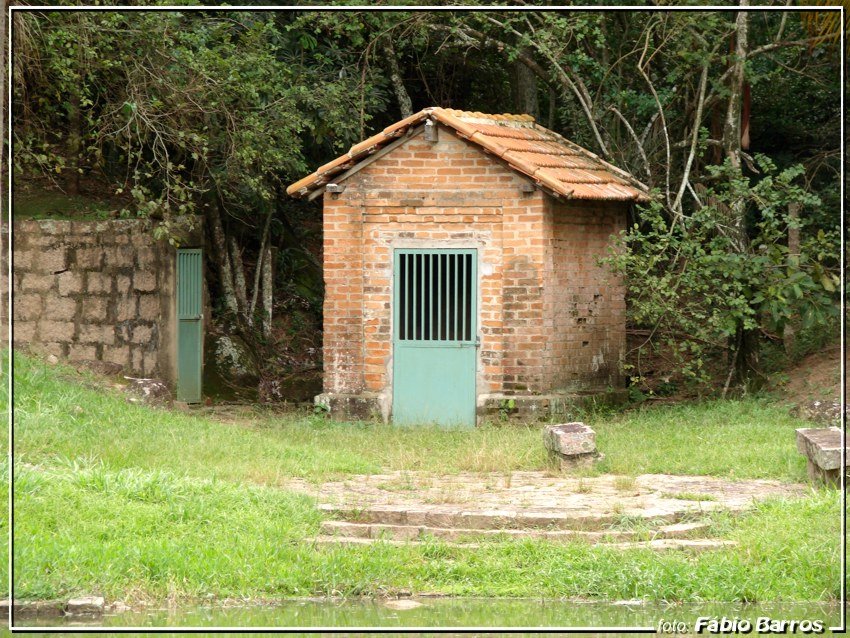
(461, 274)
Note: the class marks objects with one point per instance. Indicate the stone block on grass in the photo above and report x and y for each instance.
(822, 449)
(572, 443)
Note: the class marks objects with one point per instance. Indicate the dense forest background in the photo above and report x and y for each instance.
(731, 118)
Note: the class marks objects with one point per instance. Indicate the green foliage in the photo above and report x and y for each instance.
(181, 108)
(183, 112)
(701, 280)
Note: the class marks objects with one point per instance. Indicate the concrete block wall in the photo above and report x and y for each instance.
(96, 290)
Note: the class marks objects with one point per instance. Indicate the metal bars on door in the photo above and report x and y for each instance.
(434, 296)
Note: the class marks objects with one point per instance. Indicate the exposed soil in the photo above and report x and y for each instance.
(816, 378)
(812, 388)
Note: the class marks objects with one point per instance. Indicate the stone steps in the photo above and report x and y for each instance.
(683, 544)
(488, 519)
(385, 531)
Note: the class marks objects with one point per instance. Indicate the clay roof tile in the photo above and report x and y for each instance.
(544, 156)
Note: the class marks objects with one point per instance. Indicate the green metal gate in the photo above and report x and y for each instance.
(434, 336)
(189, 324)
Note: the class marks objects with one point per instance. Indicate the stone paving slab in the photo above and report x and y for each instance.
(533, 499)
(695, 545)
(411, 532)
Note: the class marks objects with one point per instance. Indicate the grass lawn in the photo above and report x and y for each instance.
(138, 503)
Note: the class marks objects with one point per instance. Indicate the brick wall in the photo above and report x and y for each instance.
(421, 194)
(585, 304)
(448, 194)
(95, 290)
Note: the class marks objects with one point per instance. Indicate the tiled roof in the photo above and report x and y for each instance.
(553, 162)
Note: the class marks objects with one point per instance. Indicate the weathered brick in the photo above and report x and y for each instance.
(38, 283)
(55, 330)
(94, 309)
(117, 257)
(122, 284)
(26, 307)
(24, 331)
(70, 282)
(148, 307)
(77, 352)
(55, 226)
(141, 334)
(98, 283)
(22, 259)
(145, 257)
(89, 258)
(144, 281)
(50, 261)
(136, 364)
(96, 333)
(46, 348)
(60, 308)
(140, 239)
(117, 354)
(150, 364)
(125, 309)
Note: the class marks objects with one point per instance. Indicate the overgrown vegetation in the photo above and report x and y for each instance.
(211, 520)
(58, 418)
(732, 119)
(706, 291)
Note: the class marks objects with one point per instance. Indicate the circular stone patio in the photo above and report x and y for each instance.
(403, 505)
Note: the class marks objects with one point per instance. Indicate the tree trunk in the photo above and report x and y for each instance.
(747, 340)
(525, 89)
(268, 290)
(732, 122)
(789, 332)
(238, 277)
(405, 105)
(553, 103)
(223, 262)
(258, 270)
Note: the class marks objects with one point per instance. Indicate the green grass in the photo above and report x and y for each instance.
(137, 503)
(43, 204)
(55, 416)
(749, 438)
(691, 496)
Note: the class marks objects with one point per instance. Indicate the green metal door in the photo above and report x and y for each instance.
(189, 324)
(434, 336)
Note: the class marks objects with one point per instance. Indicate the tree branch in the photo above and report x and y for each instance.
(703, 83)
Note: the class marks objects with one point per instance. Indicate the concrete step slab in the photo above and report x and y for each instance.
(681, 530)
(485, 519)
(455, 534)
(693, 545)
(413, 532)
(350, 540)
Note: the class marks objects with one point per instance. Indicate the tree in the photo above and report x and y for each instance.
(213, 113)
